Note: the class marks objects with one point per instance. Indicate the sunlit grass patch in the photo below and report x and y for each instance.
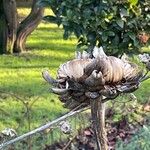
(21, 75)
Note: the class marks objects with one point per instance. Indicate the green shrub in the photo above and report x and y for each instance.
(139, 141)
(117, 25)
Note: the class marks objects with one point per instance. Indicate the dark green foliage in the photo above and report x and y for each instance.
(117, 25)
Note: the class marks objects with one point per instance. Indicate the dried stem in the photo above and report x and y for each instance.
(68, 144)
(98, 121)
(102, 131)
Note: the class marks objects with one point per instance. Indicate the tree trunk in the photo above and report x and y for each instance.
(13, 35)
(27, 26)
(3, 29)
(98, 122)
(8, 25)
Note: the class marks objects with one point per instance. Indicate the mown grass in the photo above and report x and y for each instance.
(21, 75)
(21, 80)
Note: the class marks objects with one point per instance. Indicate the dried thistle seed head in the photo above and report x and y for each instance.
(84, 78)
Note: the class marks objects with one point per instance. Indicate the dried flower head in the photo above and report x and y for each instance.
(90, 76)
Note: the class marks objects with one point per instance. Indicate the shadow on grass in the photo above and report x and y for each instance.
(51, 47)
(52, 41)
(37, 60)
(50, 32)
(28, 67)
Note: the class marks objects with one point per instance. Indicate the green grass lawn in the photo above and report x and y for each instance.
(21, 75)
(21, 80)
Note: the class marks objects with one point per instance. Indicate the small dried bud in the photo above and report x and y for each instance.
(9, 132)
(145, 58)
(65, 127)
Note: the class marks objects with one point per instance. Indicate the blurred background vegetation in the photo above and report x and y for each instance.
(25, 100)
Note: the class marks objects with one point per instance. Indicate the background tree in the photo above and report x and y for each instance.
(13, 34)
(117, 25)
